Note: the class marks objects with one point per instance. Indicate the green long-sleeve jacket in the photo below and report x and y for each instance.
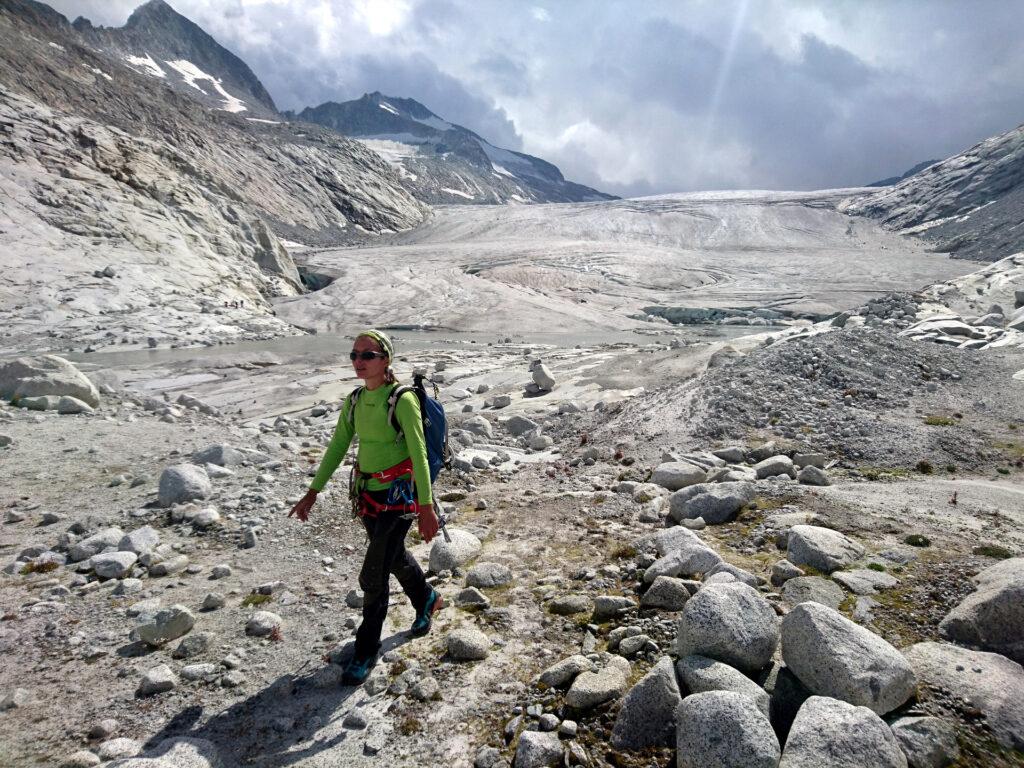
(378, 448)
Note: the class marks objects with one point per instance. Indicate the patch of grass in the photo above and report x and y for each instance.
(409, 725)
(255, 598)
(46, 567)
(1002, 470)
(993, 550)
(925, 467)
(876, 567)
(623, 552)
(951, 468)
(767, 504)
(939, 421)
(873, 473)
(917, 540)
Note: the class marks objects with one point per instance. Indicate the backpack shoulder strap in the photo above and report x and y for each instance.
(353, 398)
(393, 399)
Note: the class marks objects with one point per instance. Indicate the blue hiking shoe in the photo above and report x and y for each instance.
(357, 670)
(421, 625)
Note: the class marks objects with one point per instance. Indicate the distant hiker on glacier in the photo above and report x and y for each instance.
(390, 484)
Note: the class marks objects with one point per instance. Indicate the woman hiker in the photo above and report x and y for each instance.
(387, 471)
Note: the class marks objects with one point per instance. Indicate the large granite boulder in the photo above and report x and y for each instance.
(43, 376)
(674, 475)
(992, 619)
(835, 657)
(829, 732)
(731, 623)
(822, 548)
(714, 502)
(722, 729)
(647, 717)
(991, 682)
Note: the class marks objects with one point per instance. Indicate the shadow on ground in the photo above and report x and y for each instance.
(280, 725)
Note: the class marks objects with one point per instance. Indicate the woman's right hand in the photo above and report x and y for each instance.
(301, 510)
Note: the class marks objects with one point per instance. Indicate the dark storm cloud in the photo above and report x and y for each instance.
(660, 96)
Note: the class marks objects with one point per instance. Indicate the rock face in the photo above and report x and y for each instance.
(93, 158)
(721, 729)
(647, 715)
(834, 657)
(850, 737)
(822, 548)
(731, 623)
(992, 619)
(932, 203)
(46, 375)
(183, 483)
(992, 683)
(715, 502)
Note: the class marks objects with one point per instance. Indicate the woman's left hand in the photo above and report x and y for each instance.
(427, 522)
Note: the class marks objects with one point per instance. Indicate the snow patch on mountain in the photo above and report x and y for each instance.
(190, 73)
(146, 65)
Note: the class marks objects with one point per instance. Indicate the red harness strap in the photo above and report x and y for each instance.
(370, 507)
(391, 473)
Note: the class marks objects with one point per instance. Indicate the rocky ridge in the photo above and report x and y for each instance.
(444, 163)
(967, 205)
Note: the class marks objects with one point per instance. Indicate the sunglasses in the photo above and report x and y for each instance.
(353, 355)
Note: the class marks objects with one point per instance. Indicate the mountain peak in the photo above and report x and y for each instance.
(152, 10)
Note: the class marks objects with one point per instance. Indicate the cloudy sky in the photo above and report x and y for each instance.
(649, 97)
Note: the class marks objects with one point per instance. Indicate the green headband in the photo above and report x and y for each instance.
(385, 343)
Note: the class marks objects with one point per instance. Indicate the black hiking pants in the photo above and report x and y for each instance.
(386, 555)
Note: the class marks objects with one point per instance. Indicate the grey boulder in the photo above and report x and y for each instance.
(537, 749)
(814, 589)
(43, 376)
(113, 565)
(468, 644)
(486, 575)
(716, 503)
(822, 548)
(666, 593)
(840, 735)
(675, 475)
(991, 682)
(775, 465)
(699, 674)
(108, 538)
(833, 656)
(647, 715)
(928, 742)
(590, 689)
(183, 483)
(168, 624)
(992, 619)
(722, 729)
(731, 623)
(562, 673)
(449, 555)
(220, 455)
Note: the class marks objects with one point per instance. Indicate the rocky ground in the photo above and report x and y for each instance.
(579, 611)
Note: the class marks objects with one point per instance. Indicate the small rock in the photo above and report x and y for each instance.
(157, 680)
(468, 644)
(262, 623)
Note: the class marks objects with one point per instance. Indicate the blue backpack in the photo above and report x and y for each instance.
(435, 423)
